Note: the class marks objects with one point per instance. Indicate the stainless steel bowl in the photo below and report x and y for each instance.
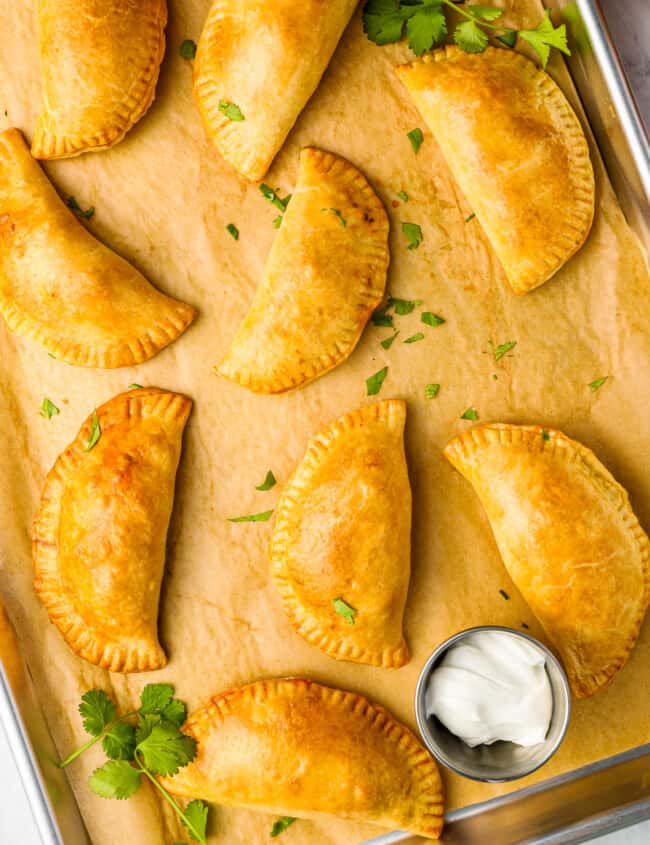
(501, 761)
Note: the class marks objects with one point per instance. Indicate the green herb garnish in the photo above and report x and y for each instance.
(414, 338)
(95, 432)
(403, 196)
(273, 197)
(425, 21)
(504, 348)
(135, 386)
(374, 383)
(277, 221)
(431, 319)
(381, 317)
(387, 342)
(49, 409)
(188, 49)
(340, 217)
(431, 391)
(413, 233)
(72, 203)
(233, 230)
(268, 482)
(469, 414)
(470, 217)
(545, 434)
(281, 825)
(253, 517)
(231, 110)
(403, 306)
(146, 741)
(415, 136)
(596, 385)
(344, 610)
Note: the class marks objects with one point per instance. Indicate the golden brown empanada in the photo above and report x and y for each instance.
(517, 150)
(66, 290)
(568, 538)
(343, 533)
(100, 531)
(266, 59)
(324, 276)
(291, 746)
(100, 61)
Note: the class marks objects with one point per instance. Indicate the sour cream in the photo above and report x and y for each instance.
(492, 686)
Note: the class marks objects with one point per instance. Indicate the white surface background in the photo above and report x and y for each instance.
(630, 21)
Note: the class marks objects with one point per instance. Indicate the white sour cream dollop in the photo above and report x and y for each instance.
(492, 686)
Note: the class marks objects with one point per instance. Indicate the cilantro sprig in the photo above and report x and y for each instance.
(146, 742)
(426, 25)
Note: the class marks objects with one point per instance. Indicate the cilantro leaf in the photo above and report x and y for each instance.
(115, 779)
(95, 432)
(431, 391)
(273, 197)
(268, 482)
(403, 196)
(374, 382)
(345, 610)
(470, 37)
(188, 49)
(72, 203)
(196, 813)
(49, 409)
(175, 712)
(233, 230)
(134, 386)
(277, 221)
(414, 338)
(335, 211)
(387, 342)
(416, 138)
(596, 385)
(426, 28)
(96, 710)
(264, 516)
(545, 36)
(281, 825)
(508, 39)
(163, 748)
(504, 348)
(486, 13)
(383, 22)
(413, 233)
(431, 319)
(231, 110)
(381, 317)
(403, 306)
(469, 414)
(119, 742)
(154, 698)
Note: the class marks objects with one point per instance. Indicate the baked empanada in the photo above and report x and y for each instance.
(325, 275)
(100, 531)
(517, 150)
(568, 538)
(256, 66)
(62, 287)
(341, 546)
(293, 747)
(99, 61)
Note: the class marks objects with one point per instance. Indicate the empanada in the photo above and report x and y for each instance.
(325, 275)
(568, 538)
(517, 150)
(343, 534)
(99, 61)
(265, 59)
(66, 290)
(100, 531)
(291, 746)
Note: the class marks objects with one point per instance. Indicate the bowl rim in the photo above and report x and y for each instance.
(420, 712)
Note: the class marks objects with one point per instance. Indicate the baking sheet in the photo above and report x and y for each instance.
(162, 199)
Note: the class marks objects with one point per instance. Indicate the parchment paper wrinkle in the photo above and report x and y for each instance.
(163, 199)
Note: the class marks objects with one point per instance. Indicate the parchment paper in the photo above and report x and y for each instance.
(162, 199)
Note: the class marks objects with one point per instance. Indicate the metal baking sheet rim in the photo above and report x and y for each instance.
(632, 808)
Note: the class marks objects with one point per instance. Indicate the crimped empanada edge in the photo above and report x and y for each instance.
(47, 144)
(370, 295)
(460, 452)
(430, 800)
(89, 644)
(393, 412)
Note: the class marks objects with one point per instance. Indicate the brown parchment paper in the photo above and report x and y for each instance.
(162, 199)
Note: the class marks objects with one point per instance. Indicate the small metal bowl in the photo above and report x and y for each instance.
(501, 761)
